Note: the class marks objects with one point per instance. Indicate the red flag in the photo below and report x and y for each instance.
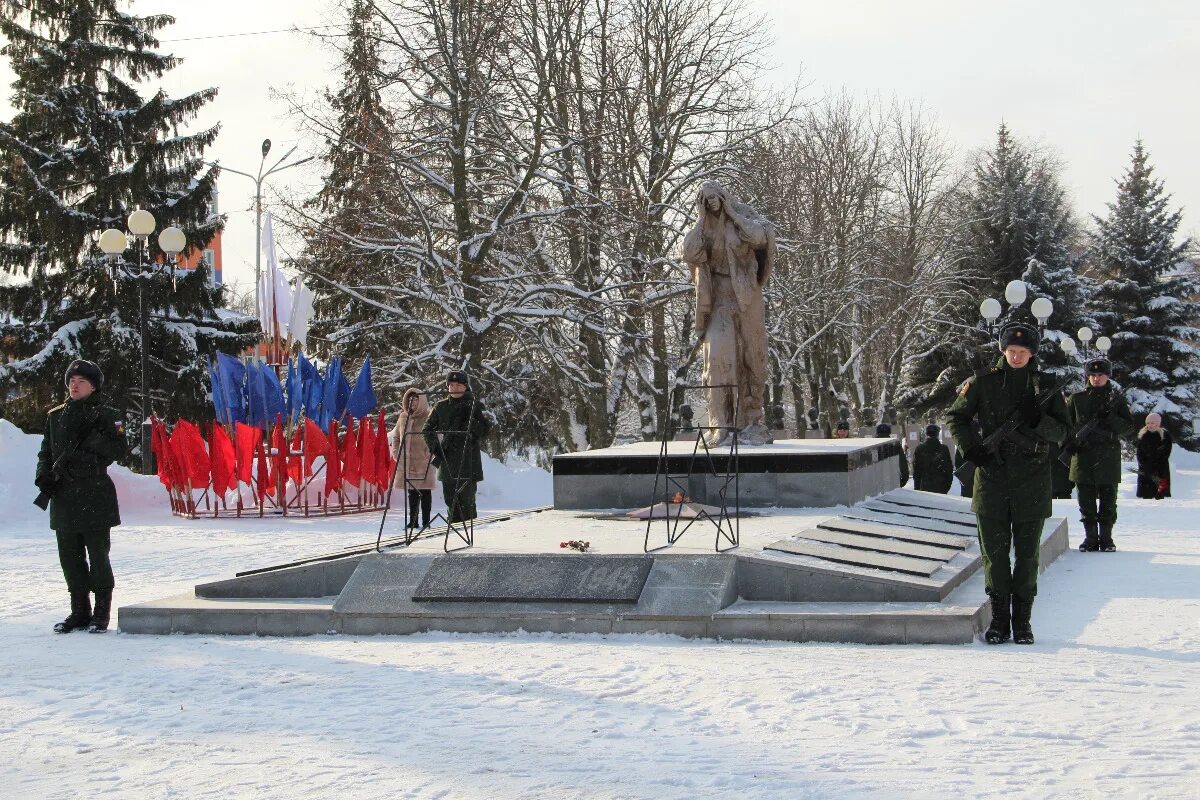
(279, 448)
(248, 439)
(351, 463)
(191, 452)
(366, 451)
(159, 447)
(333, 464)
(293, 462)
(265, 487)
(223, 463)
(315, 444)
(383, 454)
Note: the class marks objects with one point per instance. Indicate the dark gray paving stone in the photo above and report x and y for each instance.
(965, 518)
(536, 577)
(880, 544)
(928, 531)
(953, 529)
(861, 558)
(879, 525)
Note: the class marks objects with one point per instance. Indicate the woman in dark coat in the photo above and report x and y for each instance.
(1153, 459)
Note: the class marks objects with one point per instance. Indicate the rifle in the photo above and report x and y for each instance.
(1075, 442)
(42, 501)
(1006, 432)
(1085, 433)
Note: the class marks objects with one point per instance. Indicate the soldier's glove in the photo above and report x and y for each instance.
(45, 482)
(979, 456)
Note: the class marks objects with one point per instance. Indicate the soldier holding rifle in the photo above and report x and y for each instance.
(1099, 418)
(1021, 411)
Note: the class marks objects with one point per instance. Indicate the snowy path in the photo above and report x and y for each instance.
(1106, 704)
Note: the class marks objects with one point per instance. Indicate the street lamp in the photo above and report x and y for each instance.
(258, 179)
(1067, 345)
(1085, 336)
(1104, 344)
(113, 243)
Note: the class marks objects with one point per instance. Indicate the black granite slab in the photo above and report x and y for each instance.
(535, 578)
(615, 462)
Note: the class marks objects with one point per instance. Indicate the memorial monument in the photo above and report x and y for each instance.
(731, 251)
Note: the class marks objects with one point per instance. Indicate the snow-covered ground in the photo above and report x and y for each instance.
(1107, 704)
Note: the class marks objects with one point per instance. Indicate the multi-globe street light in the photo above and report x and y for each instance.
(113, 243)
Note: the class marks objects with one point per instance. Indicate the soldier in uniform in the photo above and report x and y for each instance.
(83, 436)
(933, 468)
(452, 433)
(1096, 461)
(1011, 495)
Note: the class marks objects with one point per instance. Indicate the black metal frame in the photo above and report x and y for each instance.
(466, 530)
(729, 530)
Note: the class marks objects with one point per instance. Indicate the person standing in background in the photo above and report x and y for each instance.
(933, 468)
(1154, 459)
(1096, 462)
(415, 474)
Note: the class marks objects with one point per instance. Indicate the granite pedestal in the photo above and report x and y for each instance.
(905, 571)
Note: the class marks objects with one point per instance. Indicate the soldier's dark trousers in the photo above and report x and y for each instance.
(1097, 502)
(1003, 576)
(84, 559)
(460, 499)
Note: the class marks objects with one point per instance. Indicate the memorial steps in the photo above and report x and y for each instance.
(901, 567)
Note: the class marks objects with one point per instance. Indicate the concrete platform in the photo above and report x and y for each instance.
(854, 587)
(793, 473)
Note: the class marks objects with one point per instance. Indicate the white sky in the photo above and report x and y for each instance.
(1084, 77)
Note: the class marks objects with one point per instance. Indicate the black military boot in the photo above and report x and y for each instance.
(81, 614)
(1106, 541)
(998, 631)
(1022, 610)
(99, 623)
(1090, 543)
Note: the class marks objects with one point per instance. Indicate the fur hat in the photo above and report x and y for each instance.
(932, 431)
(843, 426)
(1021, 334)
(458, 376)
(1099, 366)
(883, 429)
(86, 370)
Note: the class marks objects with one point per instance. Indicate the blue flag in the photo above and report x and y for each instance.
(329, 397)
(232, 375)
(295, 392)
(362, 399)
(274, 393)
(256, 393)
(220, 406)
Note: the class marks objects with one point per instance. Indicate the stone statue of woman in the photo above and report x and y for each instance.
(731, 251)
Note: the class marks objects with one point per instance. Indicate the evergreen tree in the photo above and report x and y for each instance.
(83, 150)
(1145, 301)
(351, 209)
(1017, 225)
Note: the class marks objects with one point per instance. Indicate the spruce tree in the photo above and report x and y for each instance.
(1016, 225)
(351, 208)
(85, 148)
(1145, 303)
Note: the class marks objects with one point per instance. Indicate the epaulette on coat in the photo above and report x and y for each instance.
(58, 407)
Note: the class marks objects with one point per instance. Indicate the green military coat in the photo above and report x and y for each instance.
(1019, 489)
(1099, 459)
(452, 432)
(85, 498)
(933, 467)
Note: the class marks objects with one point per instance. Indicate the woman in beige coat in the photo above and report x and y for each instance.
(414, 474)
